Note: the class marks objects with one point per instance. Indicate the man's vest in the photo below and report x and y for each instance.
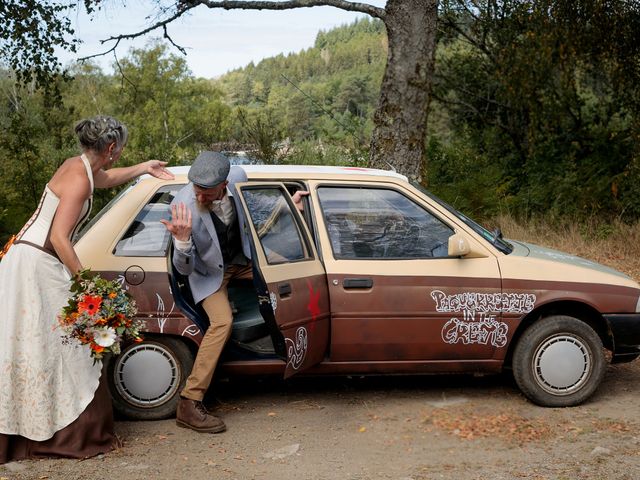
(229, 239)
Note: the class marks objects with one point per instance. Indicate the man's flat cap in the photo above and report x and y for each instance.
(209, 169)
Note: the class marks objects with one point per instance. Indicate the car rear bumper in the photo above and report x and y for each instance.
(625, 332)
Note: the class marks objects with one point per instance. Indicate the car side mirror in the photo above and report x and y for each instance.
(458, 245)
(462, 245)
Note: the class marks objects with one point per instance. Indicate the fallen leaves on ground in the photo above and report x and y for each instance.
(513, 427)
(612, 426)
(507, 426)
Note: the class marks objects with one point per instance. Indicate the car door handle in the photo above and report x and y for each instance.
(284, 289)
(357, 283)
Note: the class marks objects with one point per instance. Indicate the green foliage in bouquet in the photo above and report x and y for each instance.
(101, 314)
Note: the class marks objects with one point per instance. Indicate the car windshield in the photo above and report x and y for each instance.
(494, 238)
(87, 226)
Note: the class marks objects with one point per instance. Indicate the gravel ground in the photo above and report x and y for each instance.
(419, 428)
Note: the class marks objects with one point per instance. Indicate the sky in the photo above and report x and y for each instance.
(216, 40)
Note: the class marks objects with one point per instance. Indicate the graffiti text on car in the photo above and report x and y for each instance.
(479, 324)
(487, 330)
(484, 302)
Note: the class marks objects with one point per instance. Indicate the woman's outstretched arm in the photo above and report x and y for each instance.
(118, 176)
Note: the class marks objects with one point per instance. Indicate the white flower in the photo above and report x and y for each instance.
(105, 337)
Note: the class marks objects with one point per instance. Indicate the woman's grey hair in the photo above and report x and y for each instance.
(99, 132)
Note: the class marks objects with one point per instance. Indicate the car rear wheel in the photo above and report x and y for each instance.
(559, 362)
(145, 380)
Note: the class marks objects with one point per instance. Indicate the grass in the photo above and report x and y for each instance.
(616, 245)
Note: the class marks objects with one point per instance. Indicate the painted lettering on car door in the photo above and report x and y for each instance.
(479, 324)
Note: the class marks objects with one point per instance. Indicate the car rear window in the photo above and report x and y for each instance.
(146, 236)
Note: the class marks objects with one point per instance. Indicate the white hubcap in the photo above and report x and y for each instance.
(562, 364)
(147, 375)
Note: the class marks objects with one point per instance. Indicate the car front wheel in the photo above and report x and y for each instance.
(559, 362)
(145, 380)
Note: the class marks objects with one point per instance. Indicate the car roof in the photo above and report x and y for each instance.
(306, 171)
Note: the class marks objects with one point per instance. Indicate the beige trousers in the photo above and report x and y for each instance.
(220, 316)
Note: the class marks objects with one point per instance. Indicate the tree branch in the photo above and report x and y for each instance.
(480, 45)
(123, 76)
(181, 10)
(112, 49)
(183, 6)
(290, 4)
(168, 37)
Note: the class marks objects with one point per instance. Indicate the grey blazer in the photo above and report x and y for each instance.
(203, 262)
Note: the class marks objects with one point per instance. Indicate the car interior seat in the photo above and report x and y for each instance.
(248, 324)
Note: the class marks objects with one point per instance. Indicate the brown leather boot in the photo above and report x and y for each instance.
(193, 414)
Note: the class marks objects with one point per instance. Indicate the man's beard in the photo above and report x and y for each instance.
(203, 206)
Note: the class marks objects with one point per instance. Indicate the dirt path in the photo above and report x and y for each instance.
(380, 428)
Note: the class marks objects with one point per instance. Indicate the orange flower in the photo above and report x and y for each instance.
(90, 304)
(101, 321)
(96, 348)
(113, 295)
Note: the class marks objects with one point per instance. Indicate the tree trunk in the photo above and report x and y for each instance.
(401, 116)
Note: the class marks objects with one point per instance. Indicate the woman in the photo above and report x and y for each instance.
(52, 399)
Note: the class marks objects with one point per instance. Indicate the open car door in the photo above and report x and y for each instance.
(292, 282)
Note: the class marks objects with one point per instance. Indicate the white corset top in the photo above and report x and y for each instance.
(36, 231)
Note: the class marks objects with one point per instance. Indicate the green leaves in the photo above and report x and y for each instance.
(30, 30)
(171, 115)
(538, 87)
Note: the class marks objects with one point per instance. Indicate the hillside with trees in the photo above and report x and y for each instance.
(324, 96)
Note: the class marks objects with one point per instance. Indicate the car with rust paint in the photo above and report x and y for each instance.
(374, 275)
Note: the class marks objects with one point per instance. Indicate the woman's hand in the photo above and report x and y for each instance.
(156, 168)
(180, 224)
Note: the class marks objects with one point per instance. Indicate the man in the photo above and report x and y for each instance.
(211, 248)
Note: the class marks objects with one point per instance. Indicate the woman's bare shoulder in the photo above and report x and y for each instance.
(70, 178)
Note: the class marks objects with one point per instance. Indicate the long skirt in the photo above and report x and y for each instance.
(90, 434)
(50, 389)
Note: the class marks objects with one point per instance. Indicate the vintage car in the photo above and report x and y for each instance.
(374, 276)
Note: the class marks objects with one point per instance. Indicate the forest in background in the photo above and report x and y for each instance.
(527, 120)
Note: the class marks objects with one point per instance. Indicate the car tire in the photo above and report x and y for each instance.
(146, 379)
(559, 362)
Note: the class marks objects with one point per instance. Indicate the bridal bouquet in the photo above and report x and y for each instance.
(100, 313)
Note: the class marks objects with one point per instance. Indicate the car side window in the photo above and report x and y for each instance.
(380, 223)
(146, 236)
(279, 233)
